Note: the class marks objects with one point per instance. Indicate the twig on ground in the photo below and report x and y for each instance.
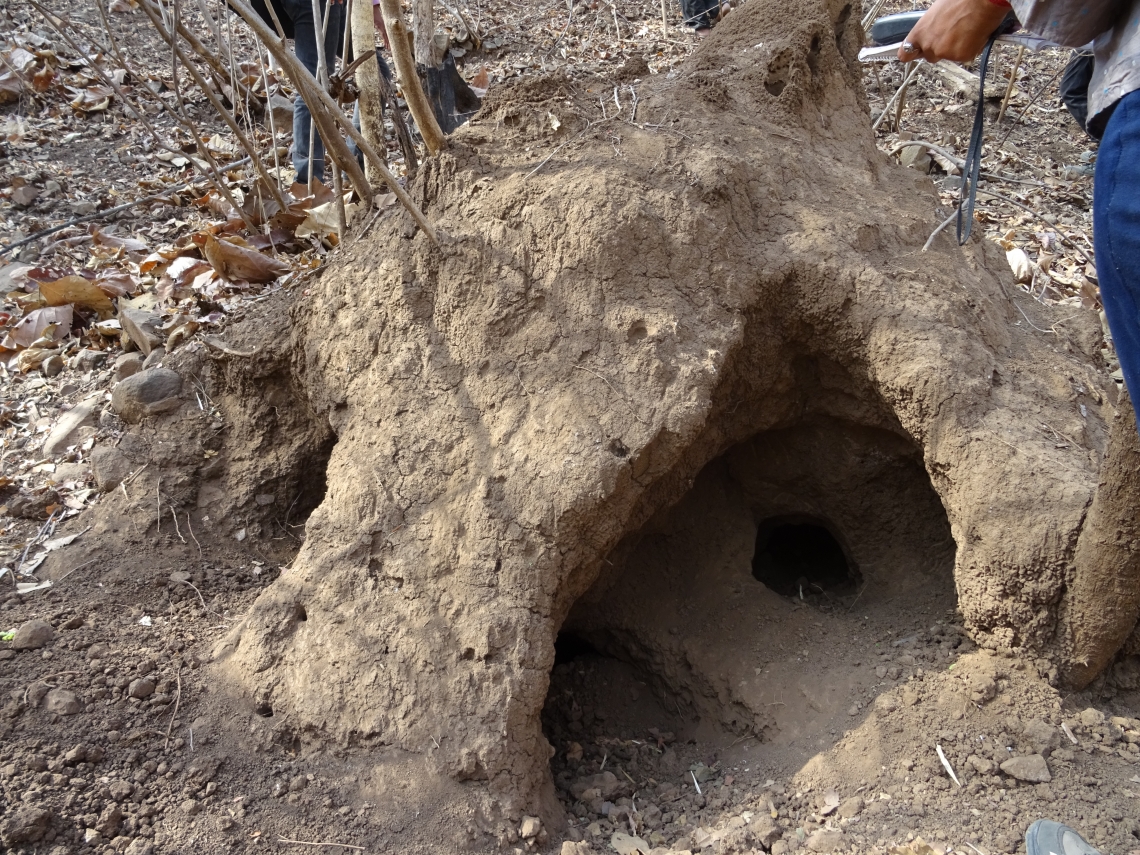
(898, 93)
(319, 843)
(941, 226)
(196, 543)
(177, 701)
(177, 530)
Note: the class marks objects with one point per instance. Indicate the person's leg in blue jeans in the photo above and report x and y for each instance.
(1116, 233)
(305, 46)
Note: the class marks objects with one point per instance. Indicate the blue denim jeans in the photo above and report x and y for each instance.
(305, 46)
(1116, 233)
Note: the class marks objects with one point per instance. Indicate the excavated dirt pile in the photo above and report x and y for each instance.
(713, 301)
(678, 346)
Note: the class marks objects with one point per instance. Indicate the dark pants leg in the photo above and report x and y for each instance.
(700, 14)
(1116, 233)
(305, 46)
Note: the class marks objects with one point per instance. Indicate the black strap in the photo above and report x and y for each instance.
(972, 166)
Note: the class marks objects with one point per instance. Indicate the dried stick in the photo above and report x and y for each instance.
(319, 843)
(219, 107)
(177, 701)
(323, 81)
(1012, 79)
(900, 91)
(417, 101)
(305, 83)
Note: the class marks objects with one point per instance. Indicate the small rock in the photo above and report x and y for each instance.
(73, 622)
(298, 783)
(530, 828)
(52, 366)
(264, 499)
(92, 837)
(76, 755)
(121, 790)
(886, 703)
(853, 710)
(780, 848)
(5, 655)
(142, 688)
(142, 329)
(62, 702)
(1031, 768)
(127, 365)
(111, 467)
(26, 825)
(1041, 737)
(1091, 717)
(155, 358)
(852, 807)
(824, 840)
(33, 635)
(109, 820)
(83, 208)
(191, 807)
(139, 846)
(147, 393)
(66, 430)
(179, 577)
(980, 764)
(281, 109)
(36, 693)
(765, 830)
(23, 196)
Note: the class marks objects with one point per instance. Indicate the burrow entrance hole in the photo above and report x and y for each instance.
(701, 624)
(800, 556)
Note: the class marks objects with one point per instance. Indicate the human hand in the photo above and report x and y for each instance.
(953, 29)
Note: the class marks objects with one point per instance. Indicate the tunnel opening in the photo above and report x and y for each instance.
(801, 556)
(747, 621)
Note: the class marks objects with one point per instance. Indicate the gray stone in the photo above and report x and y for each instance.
(824, 840)
(852, 807)
(89, 360)
(111, 467)
(109, 820)
(981, 765)
(62, 702)
(916, 157)
(140, 846)
(52, 366)
(26, 825)
(1040, 737)
(191, 807)
(142, 329)
(530, 828)
(127, 365)
(155, 358)
(298, 783)
(33, 635)
(145, 394)
(765, 830)
(1031, 768)
(83, 208)
(1091, 717)
(281, 109)
(140, 689)
(66, 430)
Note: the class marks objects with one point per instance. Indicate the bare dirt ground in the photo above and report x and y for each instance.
(112, 741)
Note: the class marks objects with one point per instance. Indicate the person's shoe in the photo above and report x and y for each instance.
(1046, 837)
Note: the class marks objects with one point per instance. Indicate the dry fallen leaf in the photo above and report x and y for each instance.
(237, 263)
(78, 292)
(33, 327)
(1020, 264)
(116, 242)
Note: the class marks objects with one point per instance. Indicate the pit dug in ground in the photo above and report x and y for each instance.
(748, 626)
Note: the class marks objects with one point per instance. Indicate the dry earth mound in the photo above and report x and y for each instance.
(689, 305)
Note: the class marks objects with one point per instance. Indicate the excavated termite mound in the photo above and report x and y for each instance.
(709, 306)
(827, 512)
